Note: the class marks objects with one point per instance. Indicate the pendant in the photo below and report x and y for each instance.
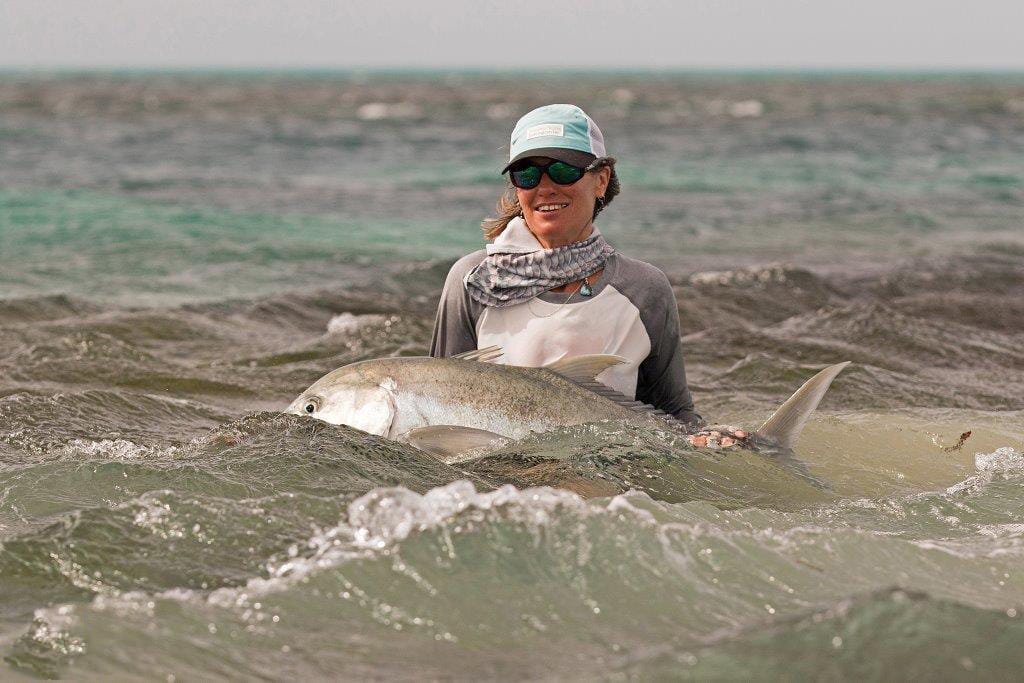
(585, 289)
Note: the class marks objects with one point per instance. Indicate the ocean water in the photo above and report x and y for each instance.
(182, 254)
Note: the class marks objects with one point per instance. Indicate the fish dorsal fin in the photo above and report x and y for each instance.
(584, 368)
(624, 401)
(782, 429)
(485, 355)
(448, 440)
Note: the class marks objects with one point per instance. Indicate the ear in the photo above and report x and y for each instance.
(604, 176)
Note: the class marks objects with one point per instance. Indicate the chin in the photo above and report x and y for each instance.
(561, 228)
(548, 228)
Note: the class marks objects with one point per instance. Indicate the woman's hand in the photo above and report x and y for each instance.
(719, 436)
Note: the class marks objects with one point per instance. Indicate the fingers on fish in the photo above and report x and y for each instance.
(719, 437)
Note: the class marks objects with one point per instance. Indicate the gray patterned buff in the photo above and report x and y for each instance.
(509, 278)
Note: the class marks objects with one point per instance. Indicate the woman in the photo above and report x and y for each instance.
(549, 285)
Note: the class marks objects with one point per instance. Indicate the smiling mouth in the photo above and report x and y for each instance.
(548, 208)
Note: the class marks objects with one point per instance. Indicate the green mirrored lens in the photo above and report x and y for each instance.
(564, 174)
(527, 177)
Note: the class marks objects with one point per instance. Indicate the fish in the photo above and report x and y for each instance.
(447, 406)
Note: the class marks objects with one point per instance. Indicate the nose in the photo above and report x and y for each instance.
(547, 185)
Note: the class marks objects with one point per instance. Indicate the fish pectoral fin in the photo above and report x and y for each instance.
(584, 368)
(484, 355)
(448, 440)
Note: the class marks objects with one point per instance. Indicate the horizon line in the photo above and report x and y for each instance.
(497, 70)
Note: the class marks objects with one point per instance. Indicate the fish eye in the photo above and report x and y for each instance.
(311, 406)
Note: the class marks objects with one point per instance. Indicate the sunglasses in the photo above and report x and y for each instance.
(526, 175)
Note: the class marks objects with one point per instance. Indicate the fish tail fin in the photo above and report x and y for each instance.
(782, 429)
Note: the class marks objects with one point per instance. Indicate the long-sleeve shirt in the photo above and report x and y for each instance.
(632, 313)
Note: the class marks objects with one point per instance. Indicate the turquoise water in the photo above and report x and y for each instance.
(182, 254)
(141, 252)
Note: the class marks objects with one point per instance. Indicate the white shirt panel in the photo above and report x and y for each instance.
(536, 333)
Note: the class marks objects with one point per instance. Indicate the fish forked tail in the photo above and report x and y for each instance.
(782, 429)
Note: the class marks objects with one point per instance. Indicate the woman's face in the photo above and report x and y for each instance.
(560, 214)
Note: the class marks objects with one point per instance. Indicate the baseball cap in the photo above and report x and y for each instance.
(562, 132)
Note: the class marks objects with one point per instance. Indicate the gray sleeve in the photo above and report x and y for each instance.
(457, 313)
(661, 380)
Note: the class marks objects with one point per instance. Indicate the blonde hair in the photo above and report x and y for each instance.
(508, 207)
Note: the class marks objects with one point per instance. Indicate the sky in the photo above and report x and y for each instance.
(511, 35)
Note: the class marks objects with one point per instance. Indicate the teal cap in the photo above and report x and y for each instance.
(562, 132)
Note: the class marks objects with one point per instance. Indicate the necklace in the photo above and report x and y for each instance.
(584, 289)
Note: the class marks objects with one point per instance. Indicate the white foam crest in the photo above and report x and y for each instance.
(50, 630)
(754, 276)
(114, 449)
(155, 516)
(61, 616)
(385, 516)
(381, 111)
(622, 504)
(347, 323)
(1003, 461)
(125, 605)
(746, 109)
(992, 541)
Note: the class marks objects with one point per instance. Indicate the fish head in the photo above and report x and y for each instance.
(350, 396)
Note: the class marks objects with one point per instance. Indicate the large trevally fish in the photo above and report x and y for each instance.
(447, 406)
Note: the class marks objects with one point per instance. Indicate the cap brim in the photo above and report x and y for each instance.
(574, 157)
